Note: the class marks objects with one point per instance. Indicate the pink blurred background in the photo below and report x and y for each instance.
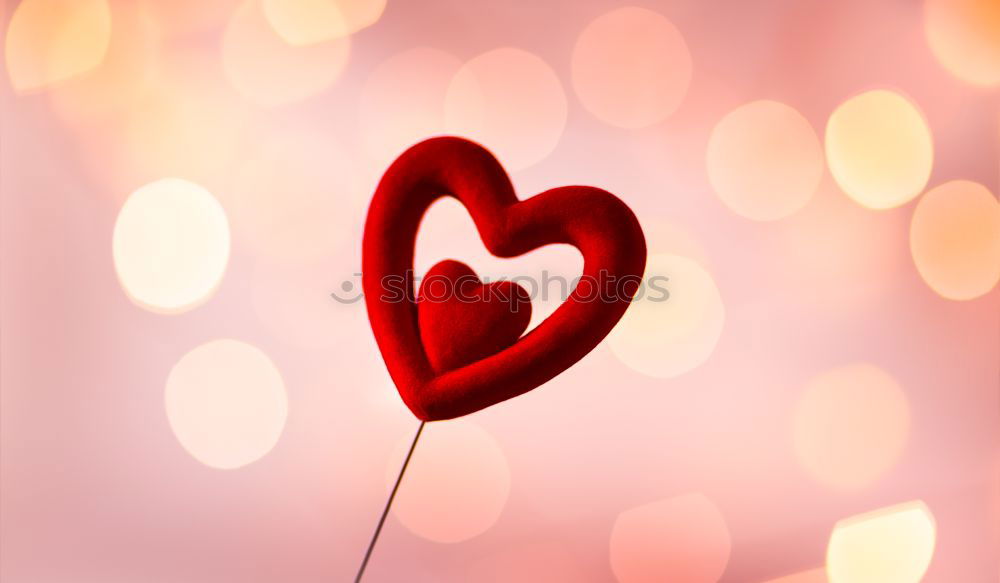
(96, 486)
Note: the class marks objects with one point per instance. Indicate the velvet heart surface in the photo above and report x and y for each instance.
(462, 319)
(452, 357)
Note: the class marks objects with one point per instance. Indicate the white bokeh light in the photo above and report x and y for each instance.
(226, 403)
(889, 545)
(879, 149)
(170, 245)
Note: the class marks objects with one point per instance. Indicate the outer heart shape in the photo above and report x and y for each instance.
(597, 223)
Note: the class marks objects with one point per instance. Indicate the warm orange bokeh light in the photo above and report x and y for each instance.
(185, 123)
(307, 22)
(456, 484)
(131, 63)
(666, 336)
(170, 245)
(510, 101)
(226, 403)
(889, 545)
(955, 239)
(402, 101)
(879, 149)
(682, 540)
(850, 426)
(764, 160)
(965, 37)
(267, 70)
(631, 67)
(49, 41)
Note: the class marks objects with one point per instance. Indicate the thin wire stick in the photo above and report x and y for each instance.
(388, 504)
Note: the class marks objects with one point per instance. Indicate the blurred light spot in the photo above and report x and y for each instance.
(186, 123)
(125, 73)
(170, 245)
(306, 22)
(964, 35)
(764, 160)
(955, 239)
(402, 102)
(267, 70)
(890, 545)
(850, 426)
(226, 403)
(631, 67)
(456, 485)
(811, 576)
(49, 41)
(511, 102)
(879, 149)
(295, 196)
(189, 17)
(676, 323)
(681, 540)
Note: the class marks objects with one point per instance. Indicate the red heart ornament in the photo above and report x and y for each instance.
(433, 373)
(462, 319)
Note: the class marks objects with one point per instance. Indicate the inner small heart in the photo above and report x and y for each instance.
(462, 320)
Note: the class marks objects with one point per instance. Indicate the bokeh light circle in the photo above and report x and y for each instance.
(185, 123)
(764, 160)
(631, 67)
(49, 41)
(403, 100)
(226, 403)
(307, 22)
(511, 102)
(964, 35)
(850, 426)
(130, 64)
(267, 70)
(683, 540)
(170, 245)
(890, 545)
(879, 149)
(676, 323)
(456, 485)
(955, 239)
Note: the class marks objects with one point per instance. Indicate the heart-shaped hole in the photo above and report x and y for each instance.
(547, 273)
